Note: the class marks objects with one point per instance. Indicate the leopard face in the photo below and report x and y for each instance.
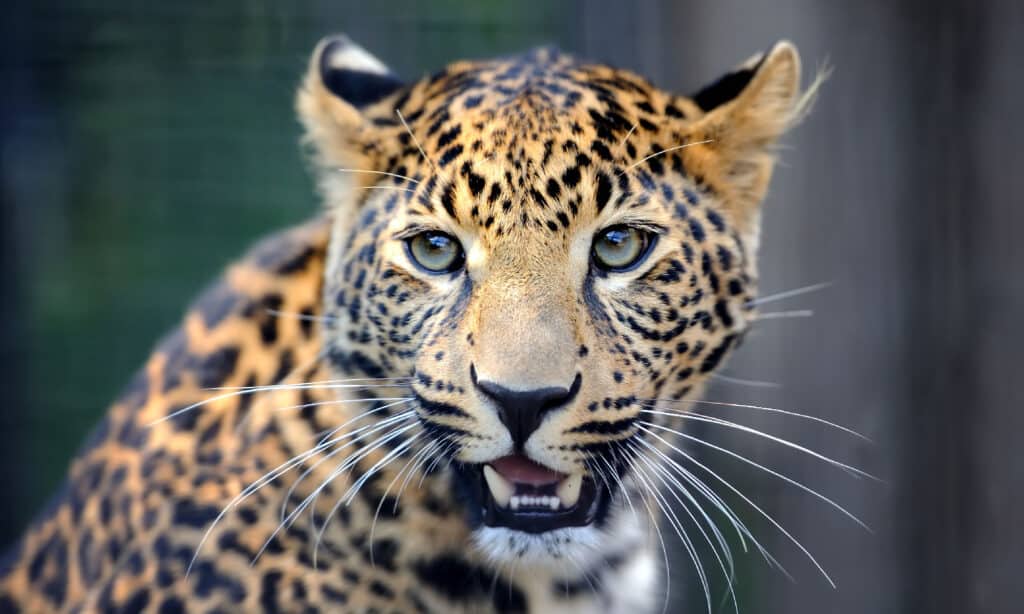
(548, 250)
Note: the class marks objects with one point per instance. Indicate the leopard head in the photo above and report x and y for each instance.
(547, 249)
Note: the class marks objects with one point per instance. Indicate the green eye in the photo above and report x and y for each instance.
(620, 248)
(435, 252)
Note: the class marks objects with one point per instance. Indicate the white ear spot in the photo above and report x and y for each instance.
(343, 54)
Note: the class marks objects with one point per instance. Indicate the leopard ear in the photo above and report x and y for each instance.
(342, 81)
(746, 111)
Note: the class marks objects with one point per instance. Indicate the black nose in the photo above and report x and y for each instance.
(523, 410)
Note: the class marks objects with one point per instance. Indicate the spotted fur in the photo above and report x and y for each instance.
(522, 160)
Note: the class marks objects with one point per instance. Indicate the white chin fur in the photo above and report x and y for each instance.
(550, 549)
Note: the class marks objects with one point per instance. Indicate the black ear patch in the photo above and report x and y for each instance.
(726, 88)
(356, 87)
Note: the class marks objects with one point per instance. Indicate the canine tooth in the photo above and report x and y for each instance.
(569, 490)
(501, 490)
(553, 503)
(514, 502)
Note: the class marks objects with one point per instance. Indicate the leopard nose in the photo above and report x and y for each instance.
(522, 411)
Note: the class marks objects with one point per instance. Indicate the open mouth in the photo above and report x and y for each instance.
(522, 495)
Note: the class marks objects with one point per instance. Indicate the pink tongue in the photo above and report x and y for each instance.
(518, 468)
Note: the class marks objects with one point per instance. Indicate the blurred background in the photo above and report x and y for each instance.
(144, 146)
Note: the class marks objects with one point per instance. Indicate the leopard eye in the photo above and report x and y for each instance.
(435, 252)
(621, 248)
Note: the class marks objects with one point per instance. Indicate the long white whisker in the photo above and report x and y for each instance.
(761, 300)
(742, 531)
(677, 526)
(415, 140)
(253, 390)
(664, 550)
(665, 151)
(779, 315)
(409, 468)
(762, 434)
(622, 143)
(768, 470)
(397, 188)
(396, 175)
(773, 410)
(382, 382)
(327, 441)
(727, 565)
(745, 382)
(346, 498)
(251, 489)
(312, 497)
(745, 498)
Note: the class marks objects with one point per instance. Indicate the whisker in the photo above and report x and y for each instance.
(340, 402)
(346, 498)
(396, 175)
(727, 565)
(745, 382)
(397, 188)
(743, 532)
(622, 143)
(749, 502)
(665, 151)
(676, 525)
(761, 300)
(327, 441)
(380, 381)
(252, 390)
(752, 431)
(664, 550)
(781, 315)
(415, 140)
(312, 497)
(663, 474)
(253, 488)
(773, 410)
(768, 470)
(409, 466)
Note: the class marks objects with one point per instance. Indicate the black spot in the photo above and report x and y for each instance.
(449, 155)
(599, 427)
(673, 111)
(217, 366)
(601, 150)
(268, 591)
(476, 184)
(715, 355)
(190, 513)
(722, 311)
(604, 191)
(379, 588)
(172, 605)
(448, 136)
(448, 200)
(571, 176)
(553, 189)
(697, 230)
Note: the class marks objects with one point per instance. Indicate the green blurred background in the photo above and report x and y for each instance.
(144, 145)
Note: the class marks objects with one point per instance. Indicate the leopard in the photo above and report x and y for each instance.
(455, 388)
